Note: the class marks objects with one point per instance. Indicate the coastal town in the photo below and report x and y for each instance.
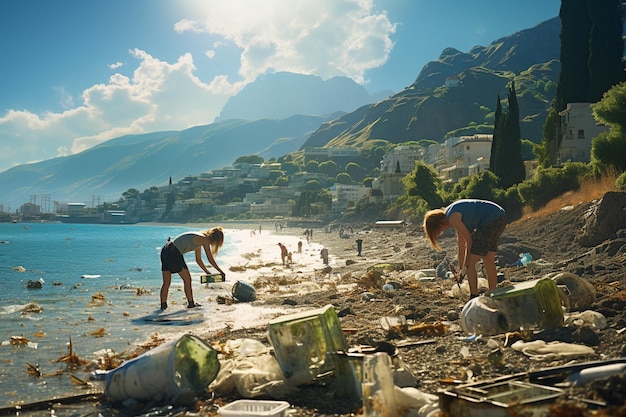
(269, 189)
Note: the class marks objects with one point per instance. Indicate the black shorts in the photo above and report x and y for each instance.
(485, 237)
(171, 259)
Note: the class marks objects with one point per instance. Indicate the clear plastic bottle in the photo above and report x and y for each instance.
(379, 396)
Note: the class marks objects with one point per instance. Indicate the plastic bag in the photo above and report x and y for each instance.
(540, 350)
(251, 370)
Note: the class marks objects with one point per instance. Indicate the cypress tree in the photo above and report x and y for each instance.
(506, 148)
(511, 145)
(574, 75)
(591, 60)
(606, 48)
(573, 82)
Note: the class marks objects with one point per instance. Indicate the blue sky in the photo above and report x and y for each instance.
(76, 73)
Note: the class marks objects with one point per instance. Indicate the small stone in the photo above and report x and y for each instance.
(453, 315)
(344, 312)
(586, 335)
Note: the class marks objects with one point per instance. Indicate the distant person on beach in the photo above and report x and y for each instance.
(324, 256)
(359, 246)
(284, 253)
(478, 224)
(299, 246)
(173, 261)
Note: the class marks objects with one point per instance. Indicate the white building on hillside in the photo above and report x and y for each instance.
(395, 165)
(401, 159)
(465, 156)
(347, 195)
(578, 128)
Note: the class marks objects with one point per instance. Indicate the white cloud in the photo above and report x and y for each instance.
(158, 96)
(322, 37)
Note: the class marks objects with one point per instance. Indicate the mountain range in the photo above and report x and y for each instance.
(281, 113)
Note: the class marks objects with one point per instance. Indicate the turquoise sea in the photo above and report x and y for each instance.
(98, 281)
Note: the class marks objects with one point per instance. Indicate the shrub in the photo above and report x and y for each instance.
(551, 182)
(620, 182)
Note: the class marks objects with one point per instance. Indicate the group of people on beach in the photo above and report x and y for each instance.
(478, 225)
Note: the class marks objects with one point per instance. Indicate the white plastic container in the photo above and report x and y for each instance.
(254, 408)
(187, 364)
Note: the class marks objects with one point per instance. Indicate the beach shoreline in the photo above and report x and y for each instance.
(403, 256)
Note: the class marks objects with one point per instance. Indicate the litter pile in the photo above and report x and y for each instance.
(309, 349)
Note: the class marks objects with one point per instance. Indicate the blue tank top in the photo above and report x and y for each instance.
(184, 243)
(475, 213)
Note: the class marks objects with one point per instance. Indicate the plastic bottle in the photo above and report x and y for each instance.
(379, 396)
(525, 258)
(187, 364)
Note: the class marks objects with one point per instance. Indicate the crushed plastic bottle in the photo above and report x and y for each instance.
(524, 259)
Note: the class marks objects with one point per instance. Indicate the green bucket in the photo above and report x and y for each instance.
(243, 291)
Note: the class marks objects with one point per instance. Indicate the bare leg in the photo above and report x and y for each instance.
(186, 276)
(472, 275)
(165, 288)
(489, 262)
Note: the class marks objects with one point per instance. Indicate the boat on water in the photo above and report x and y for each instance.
(80, 218)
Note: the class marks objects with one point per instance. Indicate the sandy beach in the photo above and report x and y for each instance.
(439, 355)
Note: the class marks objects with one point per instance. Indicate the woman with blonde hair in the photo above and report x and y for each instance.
(173, 261)
(478, 224)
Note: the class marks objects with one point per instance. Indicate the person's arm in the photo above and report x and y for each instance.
(464, 238)
(199, 260)
(209, 255)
